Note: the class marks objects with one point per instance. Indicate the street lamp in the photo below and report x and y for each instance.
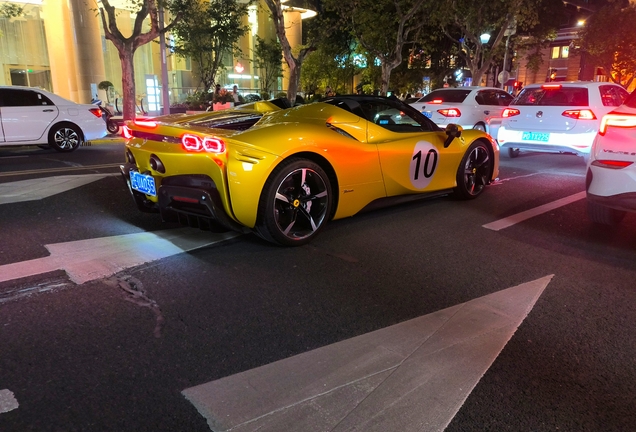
(512, 29)
(484, 38)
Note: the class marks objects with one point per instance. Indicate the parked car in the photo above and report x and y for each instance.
(558, 117)
(284, 172)
(34, 116)
(470, 107)
(611, 170)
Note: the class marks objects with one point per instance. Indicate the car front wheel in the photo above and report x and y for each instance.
(604, 215)
(513, 152)
(295, 203)
(65, 138)
(473, 172)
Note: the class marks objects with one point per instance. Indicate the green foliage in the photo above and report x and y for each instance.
(198, 100)
(104, 85)
(614, 50)
(207, 31)
(267, 58)
(265, 96)
(10, 10)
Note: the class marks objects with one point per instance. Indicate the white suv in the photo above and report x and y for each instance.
(34, 116)
(611, 171)
(558, 116)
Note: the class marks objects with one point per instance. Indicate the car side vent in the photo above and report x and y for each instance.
(340, 131)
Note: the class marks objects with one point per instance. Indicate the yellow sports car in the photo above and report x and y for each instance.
(284, 172)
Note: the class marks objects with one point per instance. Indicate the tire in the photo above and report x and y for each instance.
(480, 127)
(604, 215)
(474, 171)
(65, 138)
(513, 152)
(295, 204)
(112, 126)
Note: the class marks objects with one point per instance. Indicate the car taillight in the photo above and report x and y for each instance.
(617, 120)
(551, 86)
(436, 101)
(510, 112)
(146, 123)
(126, 132)
(614, 164)
(196, 143)
(97, 112)
(450, 112)
(584, 114)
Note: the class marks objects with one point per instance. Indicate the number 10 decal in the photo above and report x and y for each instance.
(423, 164)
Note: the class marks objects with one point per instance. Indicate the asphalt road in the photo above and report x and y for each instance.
(115, 353)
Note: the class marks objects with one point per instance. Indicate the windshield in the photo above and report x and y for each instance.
(446, 96)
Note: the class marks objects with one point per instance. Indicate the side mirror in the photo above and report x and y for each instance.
(452, 131)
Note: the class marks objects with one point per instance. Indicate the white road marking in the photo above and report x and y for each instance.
(413, 376)
(520, 217)
(8, 402)
(91, 259)
(36, 189)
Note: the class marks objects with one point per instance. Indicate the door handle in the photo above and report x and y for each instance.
(47, 110)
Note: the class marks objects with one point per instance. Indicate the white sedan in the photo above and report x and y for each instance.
(470, 107)
(558, 117)
(34, 116)
(611, 170)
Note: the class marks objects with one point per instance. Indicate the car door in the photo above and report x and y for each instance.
(492, 103)
(411, 149)
(26, 114)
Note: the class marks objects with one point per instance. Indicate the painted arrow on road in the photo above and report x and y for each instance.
(413, 376)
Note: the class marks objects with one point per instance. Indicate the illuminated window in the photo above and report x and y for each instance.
(565, 51)
(555, 52)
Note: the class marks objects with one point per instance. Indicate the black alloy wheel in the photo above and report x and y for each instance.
(65, 138)
(513, 152)
(473, 172)
(295, 203)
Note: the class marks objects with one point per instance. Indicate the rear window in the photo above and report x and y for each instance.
(228, 120)
(451, 96)
(562, 96)
(612, 95)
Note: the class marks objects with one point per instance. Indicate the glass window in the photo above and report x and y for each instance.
(493, 97)
(16, 97)
(394, 116)
(446, 95)
(559, 96)
(613, 95)
(565, 51)
(555, 52)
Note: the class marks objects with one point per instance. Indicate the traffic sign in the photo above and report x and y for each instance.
(503, 76)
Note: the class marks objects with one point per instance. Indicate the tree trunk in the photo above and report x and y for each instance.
(128, 82)
(292, 90)
(386, 76)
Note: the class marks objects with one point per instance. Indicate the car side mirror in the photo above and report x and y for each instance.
(452, 131)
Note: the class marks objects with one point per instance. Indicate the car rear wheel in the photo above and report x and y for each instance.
(473, 172)
(295, 204)
(513, 152)
(604, 215)
(65, 138)
(480, 127)
(112, 126)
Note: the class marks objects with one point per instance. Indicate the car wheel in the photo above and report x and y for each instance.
(295, 203)
(473, 171)
(513, 152)
(480, 127)
(65, 138)
(112, 126)
(604, 215)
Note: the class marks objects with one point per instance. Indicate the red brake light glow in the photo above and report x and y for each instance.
(97, 112)
(617, 120)
(510, 112)
(450, 112)
(551, 86)
(584, 114)
(614, 164)
(195, 143)
(126, 132)
(436, 101)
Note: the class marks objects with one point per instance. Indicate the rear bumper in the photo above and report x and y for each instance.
(579, 143)
(192, 200)
(625, 202)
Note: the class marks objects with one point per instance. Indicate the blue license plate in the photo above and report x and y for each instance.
(536, 136)
(143, 183)
(427, 114)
